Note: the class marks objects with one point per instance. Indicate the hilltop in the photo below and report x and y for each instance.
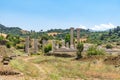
(99, 37)
(11, 30)
(60, 32)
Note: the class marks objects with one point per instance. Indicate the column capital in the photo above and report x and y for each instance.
(78, 34)
(71, 37)
(78, 28)
(72, 28)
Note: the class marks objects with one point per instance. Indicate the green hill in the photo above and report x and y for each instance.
(111, 35)
(10, 30)
(63, 32)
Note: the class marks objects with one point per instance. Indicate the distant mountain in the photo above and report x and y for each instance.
(112, 35)
(11, 30)
(65, 30)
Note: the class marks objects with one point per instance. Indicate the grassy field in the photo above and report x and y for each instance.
(57, 68)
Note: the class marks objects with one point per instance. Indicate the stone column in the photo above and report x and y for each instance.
(27, 45)
(35, 45)
(67, 45)
(78, 35)
(57, 46)
(53, 45)
(63, 43)
(43, 45)
(71, 37)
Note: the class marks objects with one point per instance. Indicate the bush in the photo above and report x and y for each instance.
(1, 38)
(20, 46)
(99, 43)
(80, 48)
(118, 43)
(109, 46)
(60, 45)
(8, 45)
(93, 50)
(47, 48)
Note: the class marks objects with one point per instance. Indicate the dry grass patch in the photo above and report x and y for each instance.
(62, 68)
(25, 67)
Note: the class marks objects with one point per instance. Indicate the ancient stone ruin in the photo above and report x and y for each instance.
(71, 38)
(66, 48)
(27, 45)
(33, 43)
(78, 34)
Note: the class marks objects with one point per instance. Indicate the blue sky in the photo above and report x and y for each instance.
(47, 14)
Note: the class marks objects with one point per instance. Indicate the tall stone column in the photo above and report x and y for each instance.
(43, 45)
(63, 43)
(53, 45)
(67, 45)
(27, 45)
(71, 37)
(57, 46)
(35, 45)
(78, 35)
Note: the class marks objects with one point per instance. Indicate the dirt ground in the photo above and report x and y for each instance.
(113, 60)
(93, 68)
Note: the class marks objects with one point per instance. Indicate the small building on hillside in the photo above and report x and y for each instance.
(81, 40)
(53, 33)
(4, 35)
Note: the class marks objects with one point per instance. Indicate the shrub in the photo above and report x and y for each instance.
(8, 45)
(99, 43)
(20, 46)
(93, 50)
(80, 48)
(109, 46)
(47, 48)
(1, 38)
(118, 43)
(60, 45)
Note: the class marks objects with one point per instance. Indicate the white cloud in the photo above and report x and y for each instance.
(83, 27)
(103, 27)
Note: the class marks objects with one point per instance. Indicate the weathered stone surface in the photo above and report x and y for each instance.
(27, 45)
(35, 45)
(78, 34)
(43, 44)
(63, 43)
(71, 38)
(57, 46)
(67, 45)
(53, 45)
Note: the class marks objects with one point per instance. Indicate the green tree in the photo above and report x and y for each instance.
(67, 38)
(80, 48)
(93, 50)
(47, 48)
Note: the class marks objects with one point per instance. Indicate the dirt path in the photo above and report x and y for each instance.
(22, 77)
(11, 78)
(37, 65)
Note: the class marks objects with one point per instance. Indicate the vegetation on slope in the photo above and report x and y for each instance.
(99, 37)
(10, 30)
(69, 69)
